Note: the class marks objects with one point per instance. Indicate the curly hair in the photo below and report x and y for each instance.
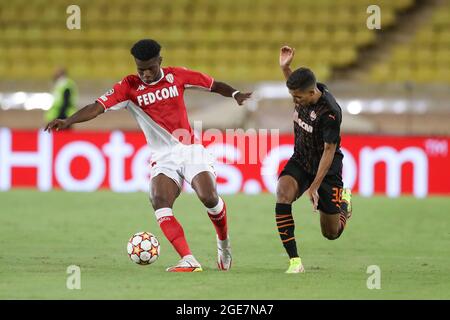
(145, 49)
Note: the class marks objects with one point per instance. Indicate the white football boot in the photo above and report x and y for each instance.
(186, 264)
(224, 254)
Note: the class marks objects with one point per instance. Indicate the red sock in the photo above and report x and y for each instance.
(173, 231)
(218, 216)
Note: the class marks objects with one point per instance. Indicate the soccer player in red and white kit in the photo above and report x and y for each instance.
(155, 99)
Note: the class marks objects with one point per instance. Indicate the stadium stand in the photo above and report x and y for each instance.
(423, 59)
(239, 42)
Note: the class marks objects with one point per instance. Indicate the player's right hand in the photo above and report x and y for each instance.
(286, 56)
(57, 124)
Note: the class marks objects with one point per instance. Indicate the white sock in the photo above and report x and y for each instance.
(217, 209)
(162, 213)
(224, 243)
(191, 258)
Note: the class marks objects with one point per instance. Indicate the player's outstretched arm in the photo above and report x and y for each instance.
(228, 91)
(87, 113)
(286, 56)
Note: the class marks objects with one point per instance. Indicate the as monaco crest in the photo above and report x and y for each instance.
(169, 78)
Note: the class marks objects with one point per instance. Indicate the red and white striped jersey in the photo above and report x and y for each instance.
(158, 107)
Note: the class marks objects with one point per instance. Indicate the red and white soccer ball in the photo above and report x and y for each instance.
(143, 248)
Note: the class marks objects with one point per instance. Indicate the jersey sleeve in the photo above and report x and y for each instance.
(331, 128)
(115, 98)
(197, 79)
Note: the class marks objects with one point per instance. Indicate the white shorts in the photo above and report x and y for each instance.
(183, 162)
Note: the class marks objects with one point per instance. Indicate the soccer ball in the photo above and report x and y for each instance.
(143, 248)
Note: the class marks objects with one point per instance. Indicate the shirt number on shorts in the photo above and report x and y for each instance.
(337, 195)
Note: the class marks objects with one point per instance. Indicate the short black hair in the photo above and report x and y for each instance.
(145, 49)
(302, 78)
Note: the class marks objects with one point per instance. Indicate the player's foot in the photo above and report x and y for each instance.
(224, 254)
(295, 266)
(347, 198)
(186, 264)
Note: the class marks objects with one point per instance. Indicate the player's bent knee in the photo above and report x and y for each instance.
(159, 201)
(330, 235)
(285, 197)
(209, 200)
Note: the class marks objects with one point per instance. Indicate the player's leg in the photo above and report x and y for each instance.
(332, 224)
(287, 193)
(198, 171)
(292, 183)
(204, 184)
(164, 191)
(334, 212)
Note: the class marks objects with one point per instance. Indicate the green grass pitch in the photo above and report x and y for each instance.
(42, 234)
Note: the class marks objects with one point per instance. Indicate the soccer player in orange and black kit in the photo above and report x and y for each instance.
(316, 164)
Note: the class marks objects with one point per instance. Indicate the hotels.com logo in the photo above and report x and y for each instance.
(108, 163)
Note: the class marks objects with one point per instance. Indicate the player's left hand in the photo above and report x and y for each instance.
(314, 196)
(241, 97)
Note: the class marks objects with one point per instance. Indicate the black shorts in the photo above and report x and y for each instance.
(330, 191)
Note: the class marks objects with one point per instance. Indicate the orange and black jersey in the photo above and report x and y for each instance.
(313, 126)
